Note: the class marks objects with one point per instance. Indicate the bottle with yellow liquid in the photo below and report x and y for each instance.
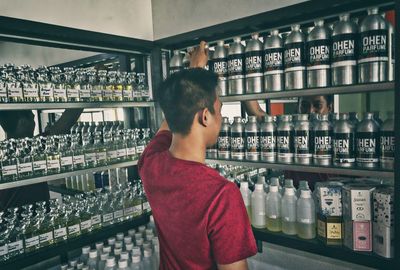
(273, 209)
(258, 211)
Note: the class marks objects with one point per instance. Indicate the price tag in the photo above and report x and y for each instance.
(129, 211)
(46, 237)
(127, 93)
(90, 157)
(85, 225)
(66, 161)
(60, 93)
(39, 165)
(107, 93)
(101, 156)
(121, 152)
(146, 206)
(131, 151)
(79, 159)
(3, 91)
(31, 92)
(74, 229)
(46, 92)
(140, 149)
(85, 93)
(33, 241)
(25, 167)
(3, 250)
(9, 170)
(97, 93)
(138, 209)
(15, 92)
(117, 93)
(108, 217)
(118, 214)
(96, 219)
(112, 154)
(53, 164)
(61, 232)
(15, 246)
(72, 93)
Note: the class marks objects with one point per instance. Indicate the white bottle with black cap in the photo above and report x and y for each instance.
(295, 60)
(258, 218)
(254, 65)
(236, 67)
(273, 62)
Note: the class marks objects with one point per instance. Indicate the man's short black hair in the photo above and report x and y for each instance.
(184, 94)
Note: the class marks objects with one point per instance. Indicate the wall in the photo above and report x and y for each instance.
(131, 18)
(179, 16)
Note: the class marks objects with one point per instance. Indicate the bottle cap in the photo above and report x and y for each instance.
(125, 255)
(138, 235)
(155, 240)
(110, 261)
(259, 187)
(104, 256)
(117, 251)
(99, 245)
(107, 249)
(136, 251)
(118, 244)
(73, 263)
(220, 43)
(344, 17)
(120, 236)
(305, 193)
(93, 254)
(237, 39)
(139, 241)
(135, 259)
(149, 231)
(127, 239)
(131, 232)
(295, 27)
(244, 185)
(373, 10)
(274, 32)
(85, 250)
(111, 241)
(254, 36)
(319, 22)
(122, 263)
(129, 246)
(147, 252)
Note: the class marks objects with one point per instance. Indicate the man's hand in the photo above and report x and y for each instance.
(199, 56)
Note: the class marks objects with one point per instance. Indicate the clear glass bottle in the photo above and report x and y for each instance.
(118, 205)
(273, 209)
(110, 141)
(85, 216)
(60, 221)
(258, 212)
(52, 155)
(130, 142)
(84, 86)
(95, 211)
(14, 86)
(39, 160)
(46, 93)
(30, 87)
(128, 201)
(66, 154)
(24, 156)
(9, 163)
(58, 81)
(78, 157)
(145, 203)
(127, 92)
(73, 220)
(108, 211)
(118, 86)
(16, 238)
(4, 235)
(140, 142)
(288, 206)
(143, 87)
(306, 228)
(108, 86)
(98, 144)
(96, 87)
(30, 229)
(72, 86)
(46, 227)
(3, 86)
(121, 146)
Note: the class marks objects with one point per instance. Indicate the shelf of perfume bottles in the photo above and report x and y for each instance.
(305, 168)
(67, 105)
(317, 247)
(347, 89)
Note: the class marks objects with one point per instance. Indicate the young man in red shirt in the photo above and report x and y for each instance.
(200, 216)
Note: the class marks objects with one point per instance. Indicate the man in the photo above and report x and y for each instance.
(21, 124)
(200, 216)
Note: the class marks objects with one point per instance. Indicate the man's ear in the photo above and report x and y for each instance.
(203, 117)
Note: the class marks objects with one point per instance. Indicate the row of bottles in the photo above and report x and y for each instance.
(338, 139)
(29, 228)
(135, 250)
(25, 84)
(341, 54)
(88, 146)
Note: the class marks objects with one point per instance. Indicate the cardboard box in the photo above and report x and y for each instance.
(383, 240)
(330, 230)
(329, 198)
(357, 202)
(358, 235)
(383, 204)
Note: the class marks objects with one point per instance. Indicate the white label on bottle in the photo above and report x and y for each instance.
(3, 250)
(107, 93)
(118, 214)
(31, 92)
(86, 224)
(9, 170)
(46, 92)
(24, 167)
(65, 161)
(140, 149)
(61, 232)
(108, 217)
(129, 211)
(101, 156)
(15, 92)
(46, 237)
(74, 229)
(73, 93)
(96, 219)
(33, 241)
(60, 93)
(85, 93)
(112, 154)
(305, 220)
(138, 209)
(97, 93)
(53, 164)
(146, 206)
(79, 159)
(39, 165)
(117, 93)
(3, 91)
(121, 152)
(127, 94)
(15, 246)
(131, 151)
(90, 157)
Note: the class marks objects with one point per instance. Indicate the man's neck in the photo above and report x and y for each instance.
(190, 147)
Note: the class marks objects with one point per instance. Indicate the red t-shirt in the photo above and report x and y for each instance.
(200, 216)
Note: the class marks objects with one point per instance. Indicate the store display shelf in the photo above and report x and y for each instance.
(348, 89)
(306, 168)
(52, 177)
(62, 249)
(316, 247)
(75, 105)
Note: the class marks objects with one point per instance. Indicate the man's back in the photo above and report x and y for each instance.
(200, 216)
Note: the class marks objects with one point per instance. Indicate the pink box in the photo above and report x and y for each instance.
(362, 236)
